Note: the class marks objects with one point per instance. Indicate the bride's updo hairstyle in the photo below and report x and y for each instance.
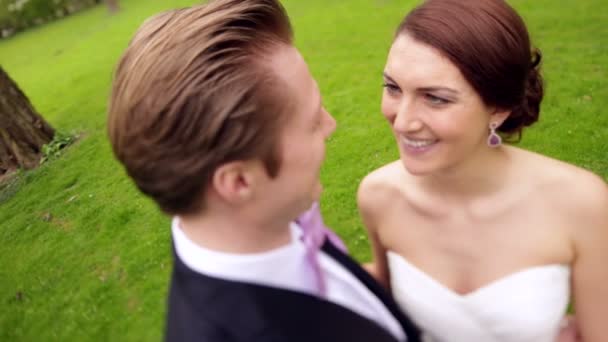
(489, 43)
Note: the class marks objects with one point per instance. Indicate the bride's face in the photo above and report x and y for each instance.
(438, 119)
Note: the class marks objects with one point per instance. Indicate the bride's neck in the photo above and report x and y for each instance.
(482, 174)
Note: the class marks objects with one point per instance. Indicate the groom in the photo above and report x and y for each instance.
(216, 117)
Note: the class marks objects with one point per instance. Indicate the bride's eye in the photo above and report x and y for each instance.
(391, 88)
(435, 100)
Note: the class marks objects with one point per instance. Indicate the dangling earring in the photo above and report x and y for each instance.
(494, 140)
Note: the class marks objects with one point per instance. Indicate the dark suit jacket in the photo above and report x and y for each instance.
(208, 309)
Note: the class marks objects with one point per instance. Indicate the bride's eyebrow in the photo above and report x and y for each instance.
(425, 89)
(388, 78)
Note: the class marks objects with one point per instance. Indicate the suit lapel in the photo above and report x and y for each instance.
(250, 312)
(412, 332)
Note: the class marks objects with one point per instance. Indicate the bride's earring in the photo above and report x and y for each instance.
(494, 140)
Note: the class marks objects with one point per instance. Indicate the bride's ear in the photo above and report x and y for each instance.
(499, 116)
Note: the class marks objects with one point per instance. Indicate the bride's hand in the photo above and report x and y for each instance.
(568, 332)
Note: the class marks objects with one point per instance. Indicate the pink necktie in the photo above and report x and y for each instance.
(314, 233)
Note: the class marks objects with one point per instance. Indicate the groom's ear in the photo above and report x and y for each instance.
(234, 182)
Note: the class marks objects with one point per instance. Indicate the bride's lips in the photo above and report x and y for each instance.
(417, 146)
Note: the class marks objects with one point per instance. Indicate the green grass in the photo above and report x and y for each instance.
(85, 257)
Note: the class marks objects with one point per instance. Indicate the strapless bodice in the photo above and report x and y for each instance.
(525, 306)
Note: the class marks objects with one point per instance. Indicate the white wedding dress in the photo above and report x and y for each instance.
(526, 306)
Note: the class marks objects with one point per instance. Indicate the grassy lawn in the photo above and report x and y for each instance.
(85, 257)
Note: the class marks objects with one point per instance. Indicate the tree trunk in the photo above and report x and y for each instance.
(22, 130)
(113, 6)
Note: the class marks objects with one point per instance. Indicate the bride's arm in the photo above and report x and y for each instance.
(368, 202)
(590, 268)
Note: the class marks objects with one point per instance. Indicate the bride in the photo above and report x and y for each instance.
(480, 241)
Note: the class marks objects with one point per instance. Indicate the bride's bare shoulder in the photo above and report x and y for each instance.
(582, 196)
(384, 178)
(381, 185)
(572, 191)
